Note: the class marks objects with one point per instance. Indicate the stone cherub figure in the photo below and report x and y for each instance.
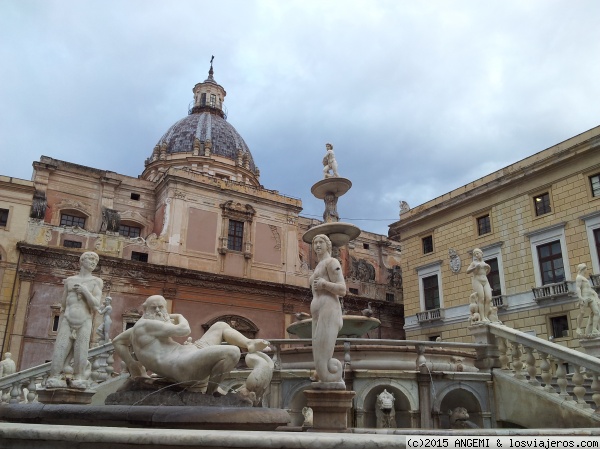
(587, 298)
(104, 328)
(328, 285)
(203, 363)
(329, 163)
(81, 297)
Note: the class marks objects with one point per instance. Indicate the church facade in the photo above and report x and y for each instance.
(196, 227)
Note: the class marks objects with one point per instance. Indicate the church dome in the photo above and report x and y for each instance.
(206, 127)
(204, 141)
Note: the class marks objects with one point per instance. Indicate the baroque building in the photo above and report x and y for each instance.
(196, 227)
(535, 221)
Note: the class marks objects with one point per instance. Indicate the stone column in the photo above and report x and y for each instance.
(275, 396)
(330, 409)
(16, 328)
(415, 419)
(424, 382)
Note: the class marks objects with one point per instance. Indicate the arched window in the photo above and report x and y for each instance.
(243, 325)
(72, 217)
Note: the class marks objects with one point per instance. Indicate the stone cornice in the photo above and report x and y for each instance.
(114, 268)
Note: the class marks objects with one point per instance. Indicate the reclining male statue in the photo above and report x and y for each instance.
(203, 363)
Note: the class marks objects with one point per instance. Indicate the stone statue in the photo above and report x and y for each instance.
(329, 163)
(481, 286)
(385, 411)
(459, 419)
(327, 283)
(203, 363)
(80, 299)
(104, 328)
(587, 298)
(331, 214)
(7, 366)
(307, 412)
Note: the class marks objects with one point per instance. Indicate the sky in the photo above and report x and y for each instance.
(417, 97)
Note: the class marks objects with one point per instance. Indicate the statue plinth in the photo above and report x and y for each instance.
(65, 396)
(330, 409)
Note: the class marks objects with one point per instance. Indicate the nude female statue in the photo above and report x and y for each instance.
(327, 283)
(481, 285)
(104, 328)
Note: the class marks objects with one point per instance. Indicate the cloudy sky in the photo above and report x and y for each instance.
(417, 97)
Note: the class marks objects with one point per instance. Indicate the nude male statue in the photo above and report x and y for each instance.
(205, 362)
(80, 299)
(329, 163)
(587, 298)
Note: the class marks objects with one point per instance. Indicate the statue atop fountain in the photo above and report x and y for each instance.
(329, 162)
(327, 395)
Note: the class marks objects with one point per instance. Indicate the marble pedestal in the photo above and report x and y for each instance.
(330, 409)
(591, 346)
(65, 396)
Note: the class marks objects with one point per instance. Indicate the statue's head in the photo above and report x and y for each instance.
(329, 146)
(325, 239)
(477, 254)
(155, 308)
(91, 258)
(581, 268)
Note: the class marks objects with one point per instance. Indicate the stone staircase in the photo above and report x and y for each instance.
(531, 385)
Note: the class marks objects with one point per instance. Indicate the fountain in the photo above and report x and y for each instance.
(355, 326)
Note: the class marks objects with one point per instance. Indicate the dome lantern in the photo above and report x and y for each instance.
(204, 141)
(209, 95)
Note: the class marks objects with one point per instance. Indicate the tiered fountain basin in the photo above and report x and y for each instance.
(377, 356)
(339, 233)
(355, 326)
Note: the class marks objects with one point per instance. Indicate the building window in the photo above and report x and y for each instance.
(542, 204)
(203, 99)
(140, 257)
(559, 326)
(597, 241)
(427, 244)
(3, 217)
(213, 100)
(129, 231)
(55, 320)
(72, 244)
(354, 291)
(71, 220)
(551, 262)
(484, 225)
(235, 236)
(431, 292)
(389, 297)
(135, 196)
(595, 184)
(494, 277)
(365, 246)
(434, 338)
